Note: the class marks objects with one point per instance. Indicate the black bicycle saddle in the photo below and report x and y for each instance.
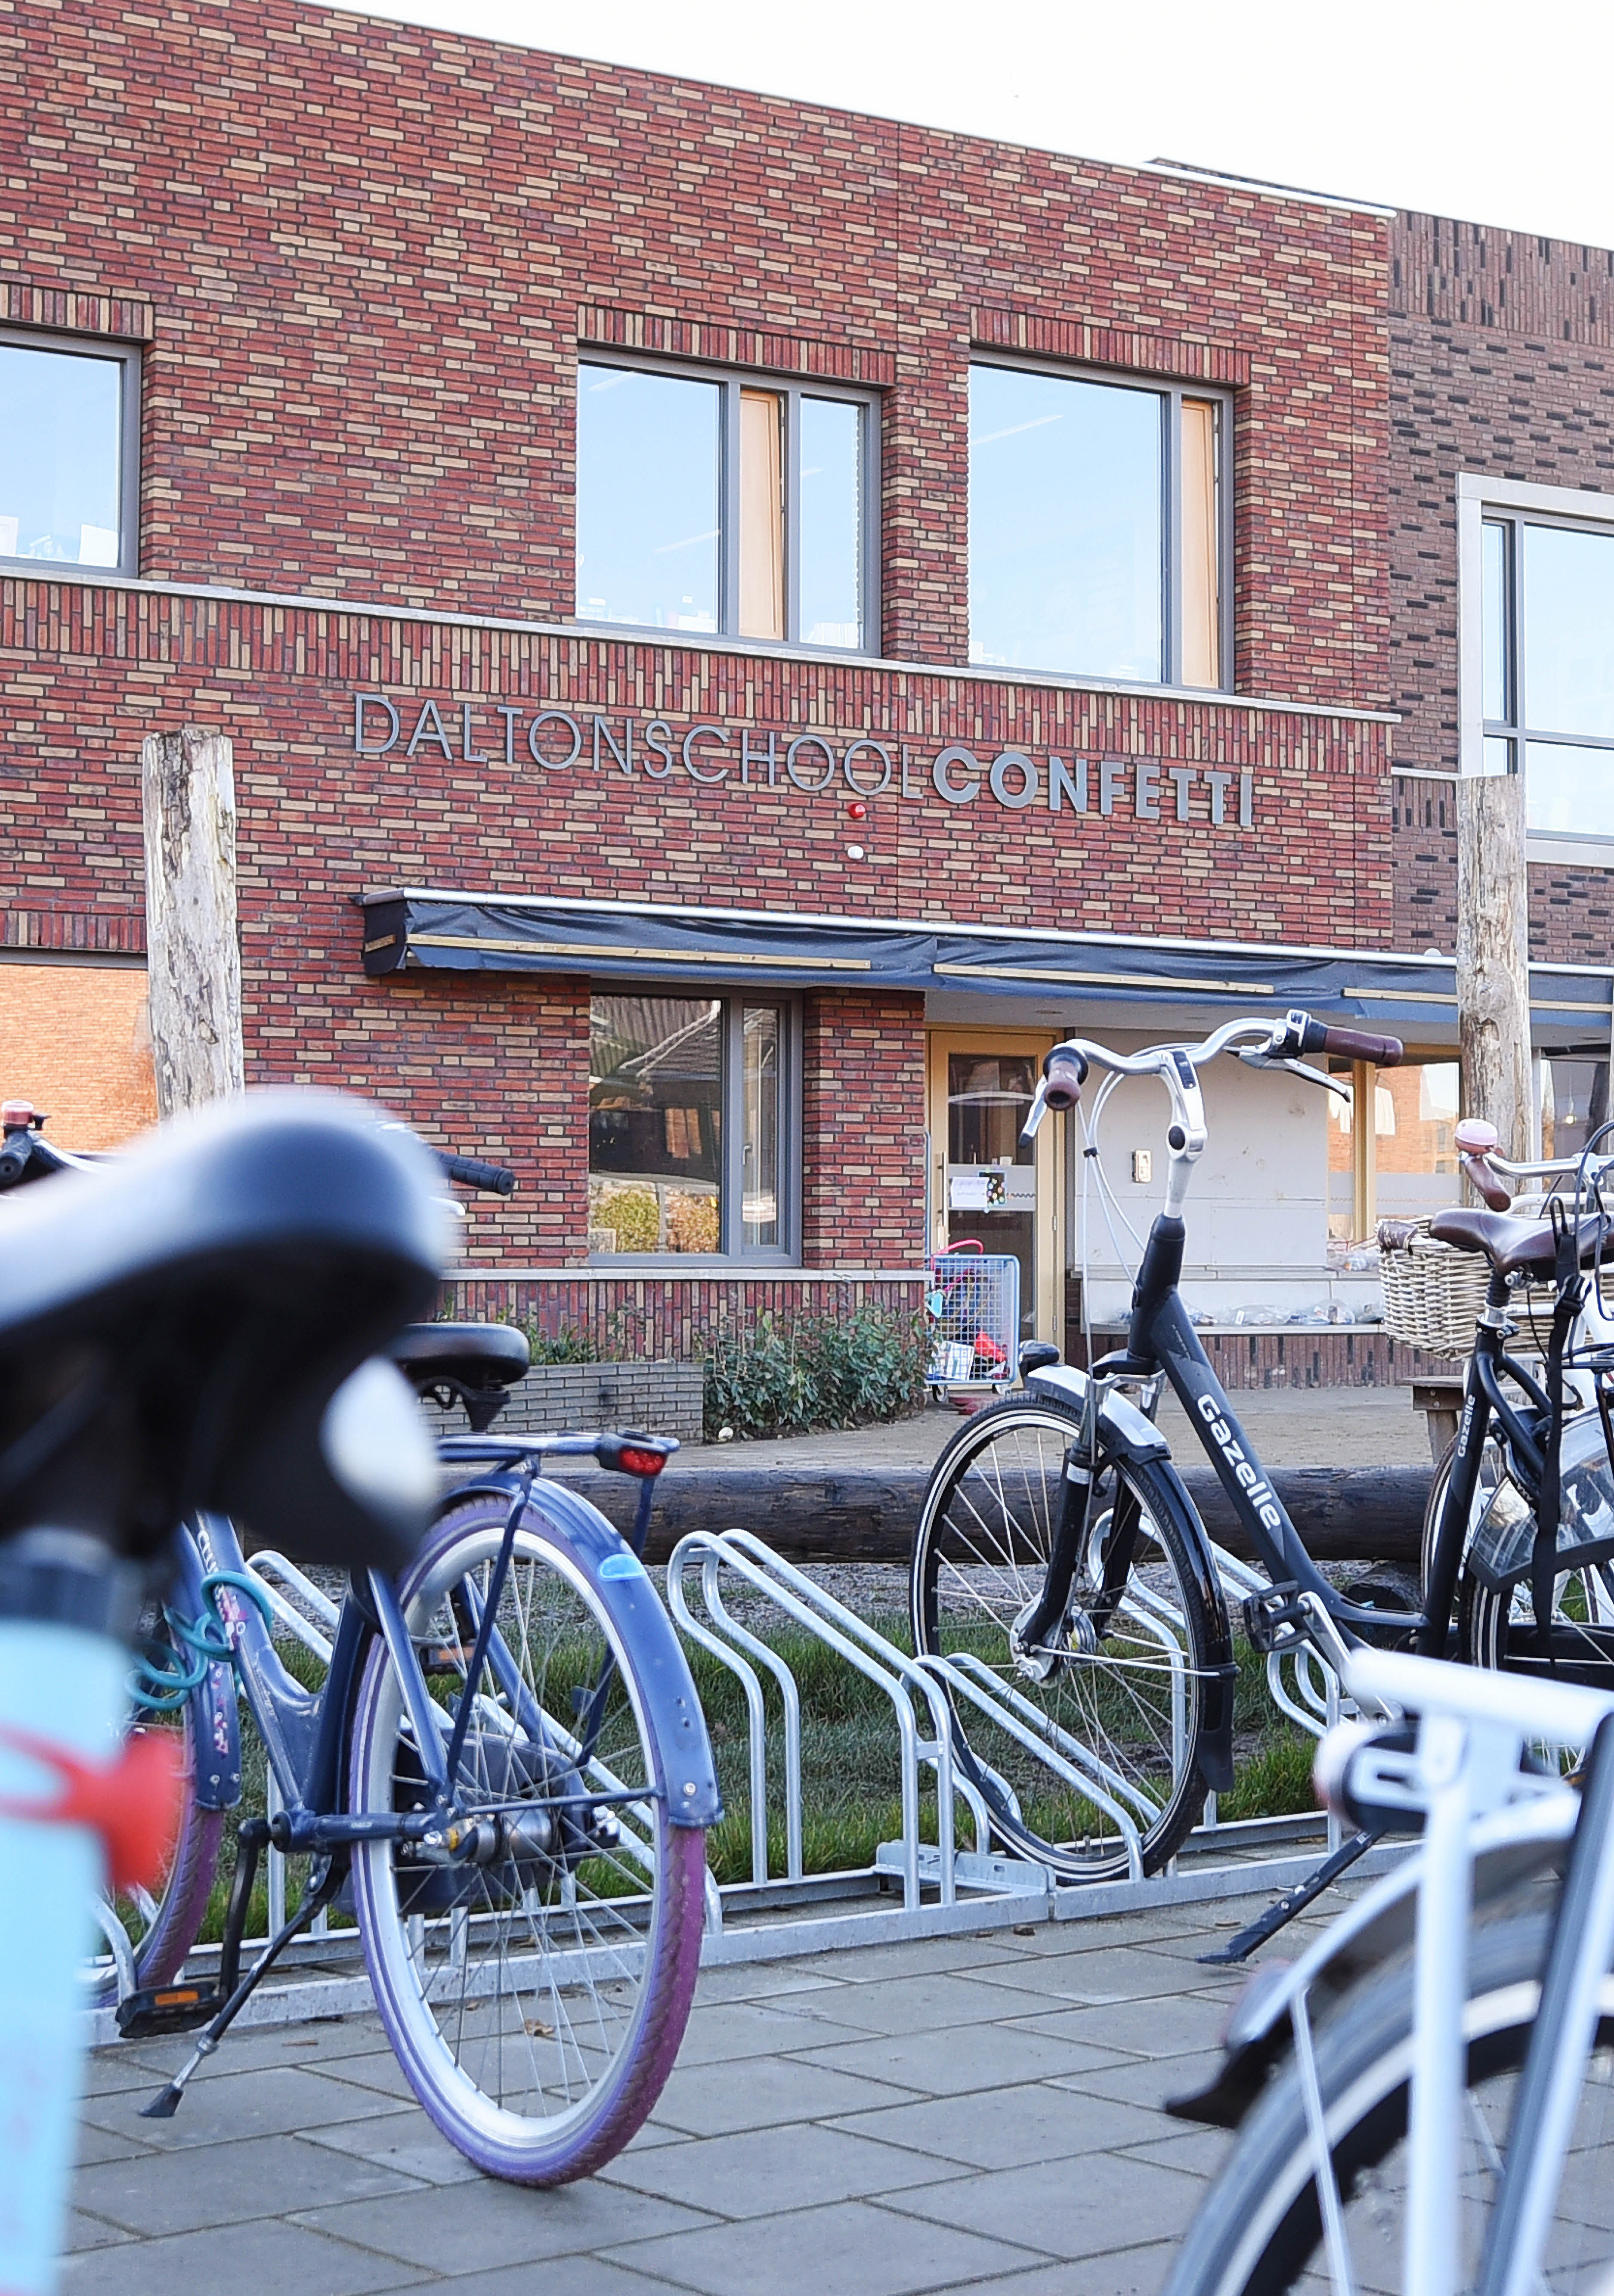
(477, 1363)
(173, 1329)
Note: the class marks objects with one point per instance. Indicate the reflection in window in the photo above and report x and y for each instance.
(60, 456)
(708, 503)
(1574, 1104)
(686, 1126)
(648, 474)
(1095, 523)
(1547, 670)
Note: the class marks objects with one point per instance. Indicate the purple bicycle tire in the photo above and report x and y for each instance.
(625, 2099)
(183, 1907)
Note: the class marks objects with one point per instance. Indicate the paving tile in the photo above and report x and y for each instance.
(733, 2030)
(377, 2069)
(1109, 1974)
(501, 2225)
(220, 2105)
(266, 2255)
(96, 2145)
(567, 2275)
(930, 2001)
(85, 2231)
(878, 1965)
(765, 1981)
(853, 2248)
(227, 2184)
(313, 2044)
(1151, 2080)
(1178, 2027)
(114, 2072)
(711, 2101)
(1009, 2127)
(406, 2143)
(765, 2170)
(950, 2063)
(1126, 2272)
(1199, 2151)
(1077, 2214)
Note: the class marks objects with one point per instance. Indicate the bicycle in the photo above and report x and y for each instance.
(1434, 2120)
(191, 1329)
(1057, 1544)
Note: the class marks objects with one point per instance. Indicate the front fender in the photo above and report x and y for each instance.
(1126, 1430)
(672, 1703)
(1511, 1845)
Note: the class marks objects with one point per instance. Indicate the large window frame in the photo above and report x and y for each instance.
(734, 382)
(1171, 395)
(734, 1253)
(126, 356)
(1492, 745)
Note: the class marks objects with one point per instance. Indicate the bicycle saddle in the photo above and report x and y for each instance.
(476, 1362)
(180, 1330)
(1512, 1245)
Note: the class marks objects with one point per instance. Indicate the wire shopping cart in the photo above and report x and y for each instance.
(973, 1304)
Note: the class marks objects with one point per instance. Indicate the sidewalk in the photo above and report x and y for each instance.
(974, 2114)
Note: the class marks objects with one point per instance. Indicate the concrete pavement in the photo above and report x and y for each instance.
(981, 2112)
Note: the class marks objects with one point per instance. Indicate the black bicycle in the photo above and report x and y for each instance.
(1058, 1545)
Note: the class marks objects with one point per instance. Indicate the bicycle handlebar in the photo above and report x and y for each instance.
(1348, 1044)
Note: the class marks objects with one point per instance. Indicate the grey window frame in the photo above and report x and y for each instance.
(1171, 393)
(732, 380)
(734, 996)
(1512, 503)
(127, 356)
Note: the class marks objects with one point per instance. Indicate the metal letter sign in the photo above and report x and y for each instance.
(814, 765)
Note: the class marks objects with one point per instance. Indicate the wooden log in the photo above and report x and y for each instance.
(193, 956)
(1344, 1515)
(1493, 958)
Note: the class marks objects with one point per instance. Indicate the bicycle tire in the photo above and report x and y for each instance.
(165, 1941)
(989, 1512)
(1257, 2232)
(586, 1933)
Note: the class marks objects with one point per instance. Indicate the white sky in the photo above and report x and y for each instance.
(1497, 113)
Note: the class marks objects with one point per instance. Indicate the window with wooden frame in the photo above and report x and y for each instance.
(1100, 526)
(735, 505)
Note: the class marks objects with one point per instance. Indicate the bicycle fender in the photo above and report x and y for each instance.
(1128, 1431)
(1510, 1846)
(672, 1703)
(215, 1717)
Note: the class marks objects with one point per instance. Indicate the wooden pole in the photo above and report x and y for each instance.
(193, 958)
(1493, 958)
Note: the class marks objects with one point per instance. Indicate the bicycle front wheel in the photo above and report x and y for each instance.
(535, 1999)
(1118, 1690)
(1259, 2230)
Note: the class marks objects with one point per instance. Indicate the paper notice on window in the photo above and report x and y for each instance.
(967, 1192)
(97, 545)
(8, 538)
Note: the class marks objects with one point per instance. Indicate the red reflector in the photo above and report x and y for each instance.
(643, 1462)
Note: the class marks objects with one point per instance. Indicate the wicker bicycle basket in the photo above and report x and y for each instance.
(1432, 1293)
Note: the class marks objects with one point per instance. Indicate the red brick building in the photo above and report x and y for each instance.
(739, 624)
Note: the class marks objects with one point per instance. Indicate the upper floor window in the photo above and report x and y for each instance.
(1547, 668)
(706, 502)
(1098, 527)
(69, 427)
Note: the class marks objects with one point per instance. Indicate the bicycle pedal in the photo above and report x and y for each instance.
(1274, 1619)
(154, 2010)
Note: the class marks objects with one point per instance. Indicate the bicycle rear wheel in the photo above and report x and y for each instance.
(162, 1924)
(1126, 1686)
(536, 2000)
(1259, 2230)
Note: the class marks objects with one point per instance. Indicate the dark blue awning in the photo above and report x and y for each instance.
(1413, 997)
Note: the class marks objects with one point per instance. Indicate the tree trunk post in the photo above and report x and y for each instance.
(193, 957)
(1493, 958)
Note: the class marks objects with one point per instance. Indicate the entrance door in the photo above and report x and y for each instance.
(985, 1187)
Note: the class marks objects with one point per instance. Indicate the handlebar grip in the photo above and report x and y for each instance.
(1063, 1075)
(1350, 1043)
(1485, 1182)
(497, 1180)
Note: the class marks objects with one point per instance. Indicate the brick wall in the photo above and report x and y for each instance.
(74, 1041)
(1503, 356)
(655, 1317)
(364, 254)
(863, 1100)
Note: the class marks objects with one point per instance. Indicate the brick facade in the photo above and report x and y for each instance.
(362, 260)
(1503, 359)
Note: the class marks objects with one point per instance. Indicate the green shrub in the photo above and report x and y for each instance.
(784, 1378)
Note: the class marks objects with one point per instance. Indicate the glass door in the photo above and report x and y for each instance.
(985, 1187)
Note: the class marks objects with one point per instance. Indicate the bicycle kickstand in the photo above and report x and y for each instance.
(1280, 1914)
(319, 1895)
